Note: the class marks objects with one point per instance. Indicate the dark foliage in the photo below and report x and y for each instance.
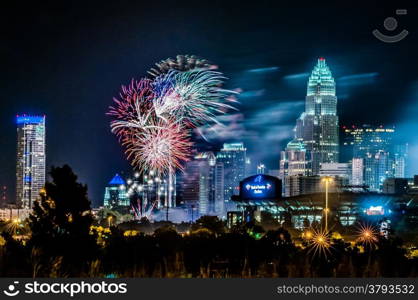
(61, 243)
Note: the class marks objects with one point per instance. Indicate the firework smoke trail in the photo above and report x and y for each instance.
(133, 109)
(192, 97)
(161, 146)
(181, 63)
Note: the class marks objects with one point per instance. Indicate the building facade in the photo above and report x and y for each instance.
(30, 166)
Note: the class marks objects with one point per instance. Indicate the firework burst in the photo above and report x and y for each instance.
(133, 109)
(161, 145)
(193, 97)
(180, 63)
(367, 235)
(154, 118)
(319, 244)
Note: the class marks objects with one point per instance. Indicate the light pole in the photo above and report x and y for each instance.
(327, 180)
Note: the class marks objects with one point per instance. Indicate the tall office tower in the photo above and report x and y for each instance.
(30, 167)
(219, 189)
(317, 127)
(206, 162)
(233, 157)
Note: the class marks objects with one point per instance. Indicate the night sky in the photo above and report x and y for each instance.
(67, 60)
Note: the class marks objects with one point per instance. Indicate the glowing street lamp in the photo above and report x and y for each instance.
(327, 180)
(308, 234)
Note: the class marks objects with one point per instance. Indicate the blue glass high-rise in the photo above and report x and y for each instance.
(30, 164)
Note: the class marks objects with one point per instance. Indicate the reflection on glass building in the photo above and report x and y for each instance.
(373, 150)
(30, 167)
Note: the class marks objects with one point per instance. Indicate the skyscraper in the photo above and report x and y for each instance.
(30, 166)
(317, 127)
(219, 189)
(233, 157)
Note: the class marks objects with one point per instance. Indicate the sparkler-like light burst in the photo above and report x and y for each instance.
(161, 145)
(13, 226)
(319, 244)
(367, 235)
(193, 97)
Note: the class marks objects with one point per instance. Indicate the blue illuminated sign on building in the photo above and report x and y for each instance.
(260, 187)
(29, 119)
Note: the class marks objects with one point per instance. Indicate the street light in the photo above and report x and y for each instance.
(327, 180)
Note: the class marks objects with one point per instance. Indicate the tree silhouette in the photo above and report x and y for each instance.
(210, 222)
(60, 225)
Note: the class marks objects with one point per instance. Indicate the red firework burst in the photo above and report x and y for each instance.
(161, 146)
(133, 108)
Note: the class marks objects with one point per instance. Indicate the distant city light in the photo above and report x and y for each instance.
(375, 211)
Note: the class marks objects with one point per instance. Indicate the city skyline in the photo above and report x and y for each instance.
(73, 88)
(321, 102)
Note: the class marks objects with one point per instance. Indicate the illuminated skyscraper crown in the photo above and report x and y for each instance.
(321, 81)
